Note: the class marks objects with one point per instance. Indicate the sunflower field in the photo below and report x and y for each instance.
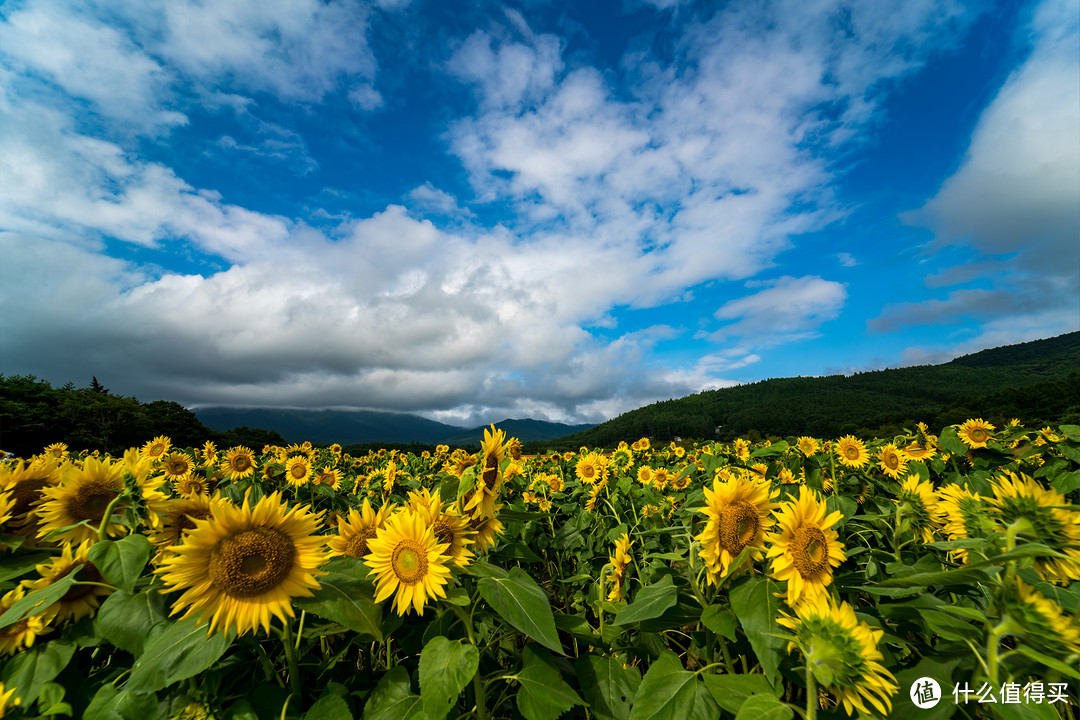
(922, 575)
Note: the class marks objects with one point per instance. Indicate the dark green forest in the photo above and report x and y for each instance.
(1036, 382)
(34, 414)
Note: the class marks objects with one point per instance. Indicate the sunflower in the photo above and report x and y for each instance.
(80, 600)
(851, 452)
(192, 485)
(408, 563)
(24, 482)
(739, 514)
(357, 528)
(84, 494)
(594, 495)
(645, 475)
(976, 433)
(619, 561)
(298, 470)
(451, 529)
(330, 477)
(961, 515)
(660, 477)
(892, 461)
(486, 529)
(808, 446)
(176, 464)
(1045, 625)
(1049, 520)
(806, 548)
(239, 463)
(57, 451)
(246, 563)
(157, 447)
(21, 635)
(6, 701)
(178, 516)
(742, 449)
(842, 653)
(919, 507)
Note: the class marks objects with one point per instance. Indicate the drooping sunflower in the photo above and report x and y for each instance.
(298, 470)
(739, 513)
(80, 600)
(619, 560)
(962, 515)
(487, 528)
(245, 564)
(806, 548)
(842, 653)
(157, 447)
(357, 528)
(21, 635)
(83, 494)
(408, 563)
(892, 461)
(919, 507)
(976, 433)
(239, 463)
(1046, 627)
(808, 446)
(851, 452)
(1051, 520)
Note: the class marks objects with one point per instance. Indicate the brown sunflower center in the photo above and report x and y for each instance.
(443, 532)
(409, 561)
(978, 434)
(240, 463)
(588, 471)
(298, 471)
(892, 461)
(186, 521)
(490, 475)
(26, 493)
(357, 544)
(91, 500)
(177, 467)
(89, 573)
(739, 525)
(851, 452)
(251, 562)
(810, 551)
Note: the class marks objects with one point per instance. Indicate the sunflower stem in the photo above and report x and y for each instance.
(290, 658)
(106, 517)
(811, 693)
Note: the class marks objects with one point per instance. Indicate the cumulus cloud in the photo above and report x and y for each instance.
(623, 188)
(1013, 206)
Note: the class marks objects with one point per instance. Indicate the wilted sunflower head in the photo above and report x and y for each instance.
(842, 653)
(1044, 515)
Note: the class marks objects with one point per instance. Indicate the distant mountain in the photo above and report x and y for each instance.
(1036, 382)
(370, 426)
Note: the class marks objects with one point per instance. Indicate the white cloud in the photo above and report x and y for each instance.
(787, 309)
(1014, 203)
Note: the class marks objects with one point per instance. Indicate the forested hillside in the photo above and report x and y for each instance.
(1036, 382)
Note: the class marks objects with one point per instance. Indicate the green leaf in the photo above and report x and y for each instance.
(347, 600)
(181, 651)
(121, 562)
(757, 606)
(1023, 711)
(38, 600)
(950, 442)
(30, 669)
(329, 707)
(667, 692)
(446, 667)
(241, 710)
(650, 602)
(731, 691)
(1061, 667)
(22, 564)
(705, 708)
(1065, 484)
(111, 703)
(125, 620)
(392, 698)
(764, 707)
(608, 687)
(947, 626)
(932, 668)
(543, 694)
(524, 604)
(941, 578)
(720, 620)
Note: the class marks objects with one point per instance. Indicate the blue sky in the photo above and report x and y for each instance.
(557, 210)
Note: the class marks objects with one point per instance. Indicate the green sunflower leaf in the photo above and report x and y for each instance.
(121, 562)
(650, 602)
(347, 600)
(30, 669)
(608, 687)
(543, 694)
(446, 667)
(524, 604)
(757, 606)
(180, 651)
(393, 699)
(667, 692)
